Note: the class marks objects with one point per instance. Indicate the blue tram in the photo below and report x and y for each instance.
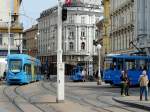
(134, 65)
(23, 69)
(76, 74)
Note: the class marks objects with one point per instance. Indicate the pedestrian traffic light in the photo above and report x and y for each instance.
(64, 14)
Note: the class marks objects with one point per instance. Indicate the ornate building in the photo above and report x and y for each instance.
(130, 26)
(79, 31)
(122, 25)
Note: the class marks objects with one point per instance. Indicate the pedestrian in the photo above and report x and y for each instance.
(48, 76)
(127, 84)
(123, 78)
(96, 75)
(45, 74)
(83, 73)
(4, 75)
(143, 80)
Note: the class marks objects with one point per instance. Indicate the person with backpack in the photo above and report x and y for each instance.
(143, 81)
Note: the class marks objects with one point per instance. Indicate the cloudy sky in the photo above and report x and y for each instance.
(31, 9)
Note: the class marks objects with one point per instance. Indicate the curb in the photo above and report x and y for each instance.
(137, 105)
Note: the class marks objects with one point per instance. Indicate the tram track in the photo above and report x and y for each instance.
(85, 102)
(72, 98)
(12, 100)
(103, 102)
(112, 105)
(28, 100)
(14, 94)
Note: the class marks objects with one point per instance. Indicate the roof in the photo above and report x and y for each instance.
(24, 56)
(126, 56)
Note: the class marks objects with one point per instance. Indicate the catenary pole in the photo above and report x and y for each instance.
(60, 65)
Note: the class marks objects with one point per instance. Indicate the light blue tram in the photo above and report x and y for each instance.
(133, 64)
(23, 69)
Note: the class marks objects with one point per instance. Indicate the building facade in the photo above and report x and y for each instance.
(130, 25)
(30, 41)
(122, 25)
(79, 31)
(106, 26)
(10, 8)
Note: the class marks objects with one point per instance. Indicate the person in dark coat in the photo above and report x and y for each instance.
(124, 82)
(127, 84)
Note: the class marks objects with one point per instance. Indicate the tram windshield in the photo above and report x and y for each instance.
(15, 65)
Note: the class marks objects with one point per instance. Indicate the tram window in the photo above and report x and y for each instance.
(130, 65)
(38, 70)
(111, 66)
(35, 70)
(119, 66)
(27, 69)
(108, 63)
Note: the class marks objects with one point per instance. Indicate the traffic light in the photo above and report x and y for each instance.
(64, 14)
(95, 42)
(68, 2)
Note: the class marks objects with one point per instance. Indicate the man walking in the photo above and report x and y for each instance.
(143, 80)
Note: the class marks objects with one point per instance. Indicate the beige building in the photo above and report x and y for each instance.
(30, 40)
(9, 10)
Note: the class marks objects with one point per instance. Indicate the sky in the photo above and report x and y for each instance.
(30, 10)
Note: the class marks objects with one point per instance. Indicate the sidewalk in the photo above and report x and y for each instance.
(133, 101)
(66, 106)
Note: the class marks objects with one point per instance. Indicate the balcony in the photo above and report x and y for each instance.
(5, 47)
(5, 25)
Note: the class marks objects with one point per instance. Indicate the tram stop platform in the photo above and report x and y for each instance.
(66, 106)
(133, 101)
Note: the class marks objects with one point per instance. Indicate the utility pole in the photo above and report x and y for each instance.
(9, 29)
(60, 65)
(21, 42)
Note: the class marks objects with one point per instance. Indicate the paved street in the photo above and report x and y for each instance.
(5, 104)
(81, 40)
(80, 96)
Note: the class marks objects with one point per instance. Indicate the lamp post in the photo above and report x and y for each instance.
(99, 80)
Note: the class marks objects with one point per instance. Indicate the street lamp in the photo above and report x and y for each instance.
(99, 80)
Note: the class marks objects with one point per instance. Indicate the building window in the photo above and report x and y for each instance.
(71, 45)
(11, 39)
(82, 32)
(71, 19)
(82, 20)
(82, 46)
(71, 33)
(1, 39)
